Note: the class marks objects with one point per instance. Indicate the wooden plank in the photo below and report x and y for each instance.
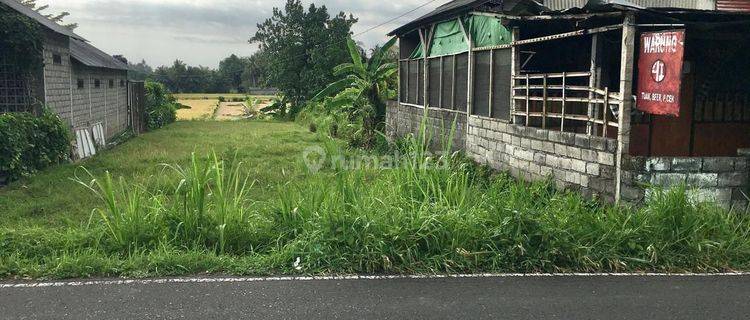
(528, 102)
(606, 111)
(492, 70)
(544, 104)
(562, 121)
(515, 69)
(555, 75)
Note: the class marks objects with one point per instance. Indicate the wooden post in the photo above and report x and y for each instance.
(425, 74)
(528, 102)
(605, 119)
(594, 81)
(453, 85)
(515, 68)
(492, 71)
(440, 92)
(626, 101)
(562, 118)
(544, 102)
(400, 74)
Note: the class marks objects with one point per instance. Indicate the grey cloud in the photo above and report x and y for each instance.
(209, 26)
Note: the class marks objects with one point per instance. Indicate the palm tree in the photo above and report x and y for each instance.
(363, 89)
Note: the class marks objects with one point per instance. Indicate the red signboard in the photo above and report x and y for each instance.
(660, 72)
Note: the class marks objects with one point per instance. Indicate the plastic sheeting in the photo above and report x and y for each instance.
(418, 53)
(487, 31)
(448, 37)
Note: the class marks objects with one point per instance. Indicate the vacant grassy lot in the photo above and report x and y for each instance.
(251, 207)
(270, 151)
(200, 109)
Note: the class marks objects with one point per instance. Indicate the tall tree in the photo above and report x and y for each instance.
(231, 69)
(305, 46)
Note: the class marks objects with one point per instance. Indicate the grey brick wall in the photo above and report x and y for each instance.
(104, 104)
(403, 119)
(578, 161)
(89, 105)
(724, 180)
(57, 75)
(572, 161)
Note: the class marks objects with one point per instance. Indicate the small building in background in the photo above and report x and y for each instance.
(85, 86)
(608, 97)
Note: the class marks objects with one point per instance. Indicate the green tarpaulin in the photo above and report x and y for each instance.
(418, 53)
(487, 31)
(448, 38)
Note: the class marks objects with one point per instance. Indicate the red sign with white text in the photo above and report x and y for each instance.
(660, 72)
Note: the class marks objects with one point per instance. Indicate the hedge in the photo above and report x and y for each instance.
(29, 143)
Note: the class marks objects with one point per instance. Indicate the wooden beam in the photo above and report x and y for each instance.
(492, 70)
(626, 103)
(594, 79)
(515, 69)
(562, 121)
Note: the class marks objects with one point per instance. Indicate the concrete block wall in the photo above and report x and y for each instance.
(104, 104)
(402, 120)
(572, 161)
(579, 161)
(724, 180)
(57, 81)
(89, 105)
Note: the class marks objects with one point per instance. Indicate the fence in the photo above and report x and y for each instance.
(137, 106)
(562, 97)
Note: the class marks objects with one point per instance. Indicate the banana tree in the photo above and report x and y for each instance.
(363, 88)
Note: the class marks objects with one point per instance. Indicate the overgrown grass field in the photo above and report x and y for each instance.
(235, 198)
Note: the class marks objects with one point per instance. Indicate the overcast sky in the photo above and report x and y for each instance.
(202, 32)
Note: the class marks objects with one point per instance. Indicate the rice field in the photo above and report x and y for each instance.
(215, 96)
(200, 109)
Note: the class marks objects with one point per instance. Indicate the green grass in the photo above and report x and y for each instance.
(52, 199)
(253, 209)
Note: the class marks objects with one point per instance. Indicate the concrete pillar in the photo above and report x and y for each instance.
(627, 57)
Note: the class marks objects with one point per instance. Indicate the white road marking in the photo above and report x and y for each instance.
(22, 285)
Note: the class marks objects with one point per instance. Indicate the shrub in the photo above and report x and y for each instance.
(29, 143)
(161, 106)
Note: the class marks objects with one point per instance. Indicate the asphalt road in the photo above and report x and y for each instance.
(568, 297)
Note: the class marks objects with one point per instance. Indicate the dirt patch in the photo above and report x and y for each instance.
(231, 111)
(199, 109)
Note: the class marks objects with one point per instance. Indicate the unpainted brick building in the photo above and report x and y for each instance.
(547, 94)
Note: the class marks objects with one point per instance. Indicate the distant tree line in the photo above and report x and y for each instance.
(235, 74)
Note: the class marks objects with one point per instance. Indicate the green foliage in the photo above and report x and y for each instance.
(235, 75)
(20, 40)
(304, 47)
(29, 143)
(161, 106)
(362, 91)
(203, 216)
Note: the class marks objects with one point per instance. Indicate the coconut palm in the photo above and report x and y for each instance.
(363, 89)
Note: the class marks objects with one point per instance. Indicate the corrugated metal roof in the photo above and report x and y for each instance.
(36, 16)
(93, 57)
(451, 8)
(683, 4)
(733, 5)
(458, 7)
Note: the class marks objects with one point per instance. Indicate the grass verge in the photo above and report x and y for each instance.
(221, 213)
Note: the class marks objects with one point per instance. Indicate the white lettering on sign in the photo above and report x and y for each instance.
(660, 43)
